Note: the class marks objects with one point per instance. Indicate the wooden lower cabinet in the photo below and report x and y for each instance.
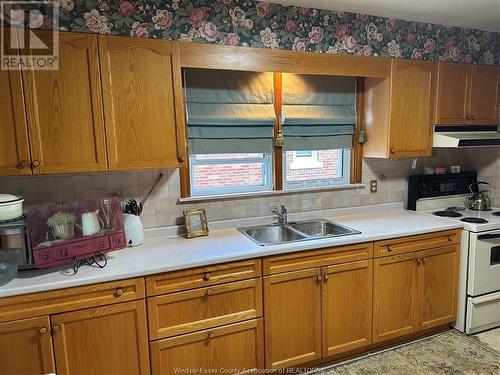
(395, 289)
(438, 275)
(414, 292)
(292, 312)
(347, 307)
(235, 346)
(26, 347)
(103, 340)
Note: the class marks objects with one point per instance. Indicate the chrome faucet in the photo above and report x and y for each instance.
(281, 212)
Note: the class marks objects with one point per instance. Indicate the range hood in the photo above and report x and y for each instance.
(466, 136)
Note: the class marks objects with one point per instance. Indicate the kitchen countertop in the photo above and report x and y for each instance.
(163, 254)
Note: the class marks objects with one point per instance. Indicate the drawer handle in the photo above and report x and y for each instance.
(450, 238)
(45, 256)
(207, 276)
(119, 292)
(56, 328)
(389, 248)
(43, 330)
(209, 292)
(64, 253)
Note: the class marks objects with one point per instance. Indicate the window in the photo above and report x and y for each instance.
(309, 169)
(215, 174)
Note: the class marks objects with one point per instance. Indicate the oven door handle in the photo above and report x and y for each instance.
(488, 236)
(480, 301)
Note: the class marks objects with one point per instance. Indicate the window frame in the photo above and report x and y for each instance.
(345, 166)
(266, 160)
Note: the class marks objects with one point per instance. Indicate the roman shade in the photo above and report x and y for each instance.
(229, 111)
(319, 112)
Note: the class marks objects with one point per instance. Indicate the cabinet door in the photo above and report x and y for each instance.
(14, 147)
(484, 97)
(104, 340)
(413, 86)
(26, 347)
(292, 309)
(395, 296)
(142, 92)
(347, 307)
(65, 109)
(235, 346)
(438, 275)
(452, 98)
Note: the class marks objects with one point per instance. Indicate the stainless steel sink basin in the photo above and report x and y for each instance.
(272, 235)
(323, 228)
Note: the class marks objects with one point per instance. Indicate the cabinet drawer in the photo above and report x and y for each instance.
(193, 310)
(202, 276)
(317, 258)
(70, 299)
(210, 349)
(426, 241)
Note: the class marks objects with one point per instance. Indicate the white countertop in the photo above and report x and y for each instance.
(165, 254)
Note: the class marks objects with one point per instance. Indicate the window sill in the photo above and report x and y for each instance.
(259, 194)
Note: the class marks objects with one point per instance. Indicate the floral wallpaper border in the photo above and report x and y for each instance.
(266, 25)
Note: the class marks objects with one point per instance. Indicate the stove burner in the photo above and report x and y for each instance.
(497, 213)
(456, 208)
(475, 220)
(447, 213)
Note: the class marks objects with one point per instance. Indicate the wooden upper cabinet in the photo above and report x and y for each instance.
(103, 340)
(484, 97)
(452, 97)
(143, 99)
(467, 95)
(292, 311)
(26, 347)
(64, 109)
(14, 145)
(398, 111)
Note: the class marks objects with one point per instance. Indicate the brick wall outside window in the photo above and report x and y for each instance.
(330, 168)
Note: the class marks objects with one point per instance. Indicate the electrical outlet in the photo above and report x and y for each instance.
(373, 186)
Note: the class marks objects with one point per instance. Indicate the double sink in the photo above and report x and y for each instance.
(274, 234)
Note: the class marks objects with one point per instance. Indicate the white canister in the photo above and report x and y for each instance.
(11, 207)
(134, 230)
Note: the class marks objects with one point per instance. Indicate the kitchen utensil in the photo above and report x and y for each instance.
(8, 265)
(11, 207)
(134, 230)
(132, 208)
(91, 223)
(480, 200)
(157, 181)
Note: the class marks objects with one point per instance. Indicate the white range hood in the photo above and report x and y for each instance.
(466, 136)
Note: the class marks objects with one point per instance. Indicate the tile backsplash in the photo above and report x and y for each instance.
(163, 208)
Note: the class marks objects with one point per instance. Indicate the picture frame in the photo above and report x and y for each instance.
(196, 223)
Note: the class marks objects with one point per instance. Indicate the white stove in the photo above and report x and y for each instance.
(479, 278)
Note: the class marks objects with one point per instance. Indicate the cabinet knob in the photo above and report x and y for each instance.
(119, 292)
(423, 260)
(419, 261)
(467, 117)
(56, 328)
(207, 276)
(450, 238)
(389, 248)
(473, 117)
(325, 277)
(319, 278)
(181, 158)
(393, 150)
(35, 164)
(43, 330)
(209, 292)
(23, 164)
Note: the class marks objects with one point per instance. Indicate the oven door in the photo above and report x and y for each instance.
(484, 263)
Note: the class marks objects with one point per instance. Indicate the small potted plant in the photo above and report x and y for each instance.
(62, 225)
